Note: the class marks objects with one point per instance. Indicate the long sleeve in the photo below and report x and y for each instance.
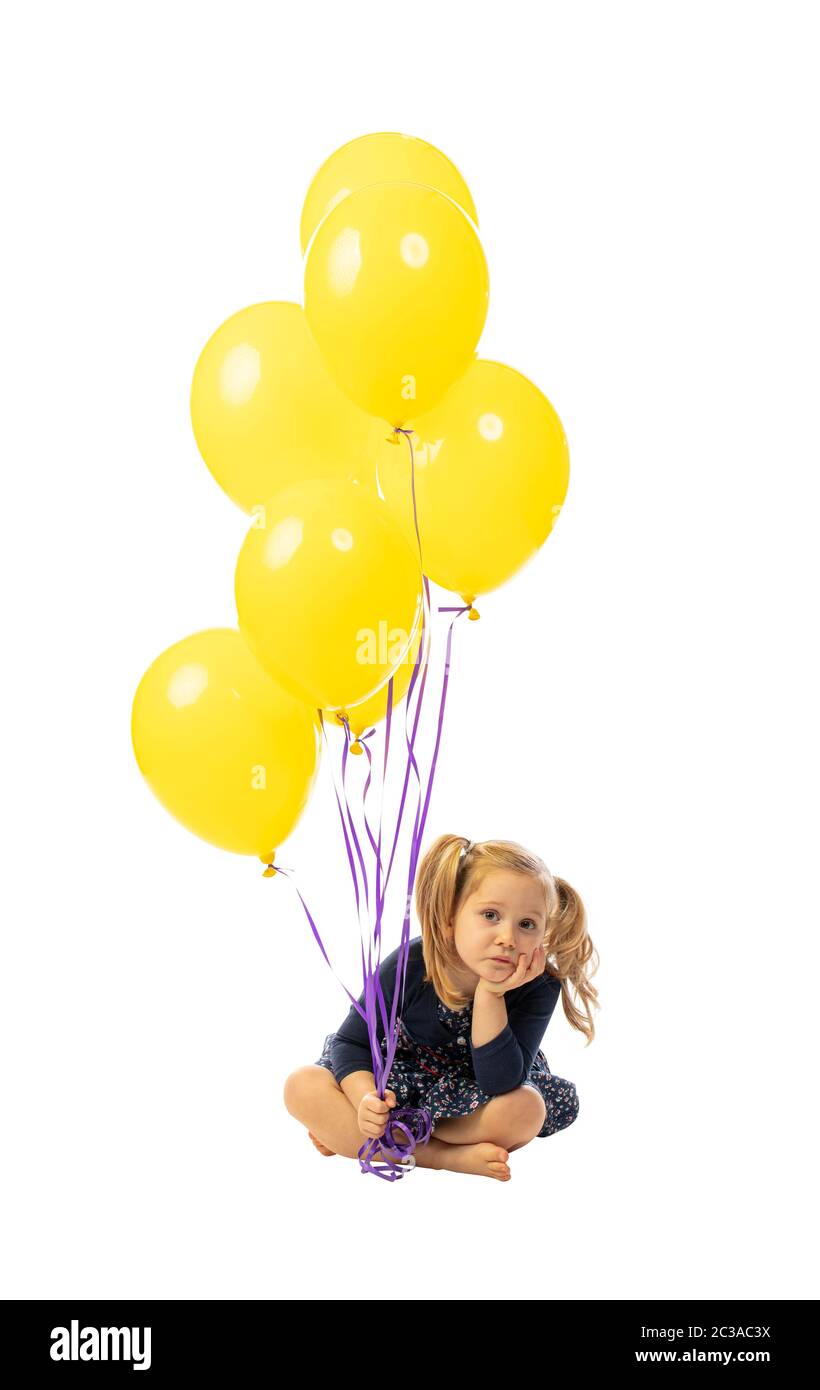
(504, 1062)
(350, 1048)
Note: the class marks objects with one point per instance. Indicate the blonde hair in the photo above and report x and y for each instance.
(449, 872)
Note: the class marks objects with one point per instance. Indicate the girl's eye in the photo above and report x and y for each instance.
(527, 921)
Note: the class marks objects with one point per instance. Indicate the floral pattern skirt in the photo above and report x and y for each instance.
(441, 1078)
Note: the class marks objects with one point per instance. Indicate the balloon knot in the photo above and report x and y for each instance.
(356, 747)
(268, 859)
(268, 872)
(473, 614)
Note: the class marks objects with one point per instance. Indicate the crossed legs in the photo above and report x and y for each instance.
(467, 1143)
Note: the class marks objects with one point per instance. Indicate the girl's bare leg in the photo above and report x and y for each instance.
(516, 1116)
(314, 1097)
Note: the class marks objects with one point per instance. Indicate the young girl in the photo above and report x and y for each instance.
(501, 939)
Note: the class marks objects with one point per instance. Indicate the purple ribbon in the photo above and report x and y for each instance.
(414, 1123)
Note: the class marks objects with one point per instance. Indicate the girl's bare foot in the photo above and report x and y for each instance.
(487, 1160)
(321, 1147)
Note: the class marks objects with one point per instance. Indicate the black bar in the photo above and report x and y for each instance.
(224, 1340)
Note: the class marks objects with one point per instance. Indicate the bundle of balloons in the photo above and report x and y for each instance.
(375, 452)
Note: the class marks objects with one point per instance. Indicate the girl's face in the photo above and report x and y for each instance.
(505, 916)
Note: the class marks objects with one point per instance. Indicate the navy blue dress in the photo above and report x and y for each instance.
(441, 1079)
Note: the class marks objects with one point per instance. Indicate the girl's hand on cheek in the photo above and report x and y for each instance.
(523, 973)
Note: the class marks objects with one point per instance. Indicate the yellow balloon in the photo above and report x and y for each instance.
(374, 710)
(328, 592)
(491, 476)
(383, 158)
(396, 292)
(225, 749)
(265, 411)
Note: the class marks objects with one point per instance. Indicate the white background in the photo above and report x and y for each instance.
(638, 705)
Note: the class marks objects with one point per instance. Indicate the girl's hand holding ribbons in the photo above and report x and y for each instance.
(373, 1113)
(522, 974)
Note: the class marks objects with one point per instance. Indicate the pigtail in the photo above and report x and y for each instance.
(440, 877)
(572, 949)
